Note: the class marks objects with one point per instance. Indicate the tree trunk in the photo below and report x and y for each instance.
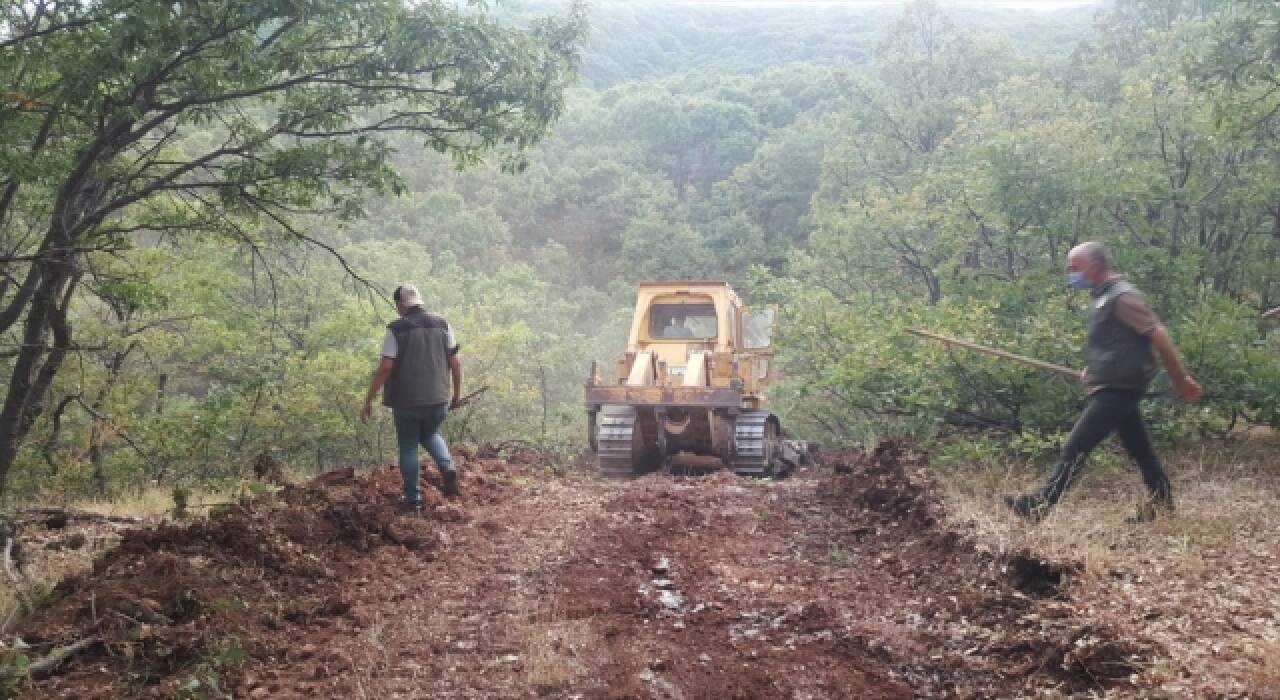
(55, 433)
(54, 277)
(98, 430)
(161, 383)
(29, 382)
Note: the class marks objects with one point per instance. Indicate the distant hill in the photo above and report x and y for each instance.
(637, 40)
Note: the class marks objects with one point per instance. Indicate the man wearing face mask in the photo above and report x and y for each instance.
(1123, 332)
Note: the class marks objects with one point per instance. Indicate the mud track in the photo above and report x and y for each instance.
(836, 583)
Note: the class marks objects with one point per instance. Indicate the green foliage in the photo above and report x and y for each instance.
(960, 184)
(15, 659)
(1221, 340)
(920, 168)
(839, 557)
(205, 680)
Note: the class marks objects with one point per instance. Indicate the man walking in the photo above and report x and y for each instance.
(419, 356)
(1123, 331)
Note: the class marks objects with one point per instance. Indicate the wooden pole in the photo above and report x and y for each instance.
(1065, 372)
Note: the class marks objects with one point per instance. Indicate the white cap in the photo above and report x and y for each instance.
(407, 295)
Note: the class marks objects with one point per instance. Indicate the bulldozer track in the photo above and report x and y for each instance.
(615, 438)
(754, 443)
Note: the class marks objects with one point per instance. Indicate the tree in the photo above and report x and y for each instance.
(133, 120)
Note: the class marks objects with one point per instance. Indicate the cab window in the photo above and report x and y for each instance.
(682, 321)
(757, 328)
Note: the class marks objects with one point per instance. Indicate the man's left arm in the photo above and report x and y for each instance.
(380, 376)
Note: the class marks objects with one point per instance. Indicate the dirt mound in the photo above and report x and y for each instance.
(1010, 615)
(889, 481)
(168, 603)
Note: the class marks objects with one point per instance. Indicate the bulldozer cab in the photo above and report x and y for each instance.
(701, 331)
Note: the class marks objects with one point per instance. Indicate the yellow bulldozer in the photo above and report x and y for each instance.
(687, 396)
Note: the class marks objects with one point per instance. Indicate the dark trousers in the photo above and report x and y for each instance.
(1110, 410)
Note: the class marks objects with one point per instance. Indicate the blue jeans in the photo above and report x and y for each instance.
(414, 426)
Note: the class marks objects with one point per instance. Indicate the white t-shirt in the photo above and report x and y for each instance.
(390, 348)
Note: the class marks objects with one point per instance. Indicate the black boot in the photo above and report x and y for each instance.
(449, 485)
(1150, 511)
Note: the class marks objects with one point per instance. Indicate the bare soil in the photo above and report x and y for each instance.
(839, 582)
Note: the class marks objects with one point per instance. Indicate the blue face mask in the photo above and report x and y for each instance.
(1076, 280)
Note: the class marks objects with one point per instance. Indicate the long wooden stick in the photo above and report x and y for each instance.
(1065, 372)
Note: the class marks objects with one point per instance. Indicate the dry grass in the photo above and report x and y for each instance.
(9, 607)
(1262, 678)
(1200, 585)
(157, 502)
(553, 653)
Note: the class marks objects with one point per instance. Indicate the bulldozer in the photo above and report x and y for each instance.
(687, 395)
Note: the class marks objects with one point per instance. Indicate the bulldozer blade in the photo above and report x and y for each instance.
(693, 461)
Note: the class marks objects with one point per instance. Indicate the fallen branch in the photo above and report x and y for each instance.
(15, 575)
(68, 515)
(216, 504)
(493, 449)
(8, 559)
(47, 666)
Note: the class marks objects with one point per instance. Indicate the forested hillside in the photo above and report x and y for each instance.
(865, 169)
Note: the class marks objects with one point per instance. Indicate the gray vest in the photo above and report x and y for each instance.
(420, 375)
(1118, 357)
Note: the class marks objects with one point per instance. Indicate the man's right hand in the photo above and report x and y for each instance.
(1188, 389)
(366, 411)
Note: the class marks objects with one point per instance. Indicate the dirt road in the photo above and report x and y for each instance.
(836, 583)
